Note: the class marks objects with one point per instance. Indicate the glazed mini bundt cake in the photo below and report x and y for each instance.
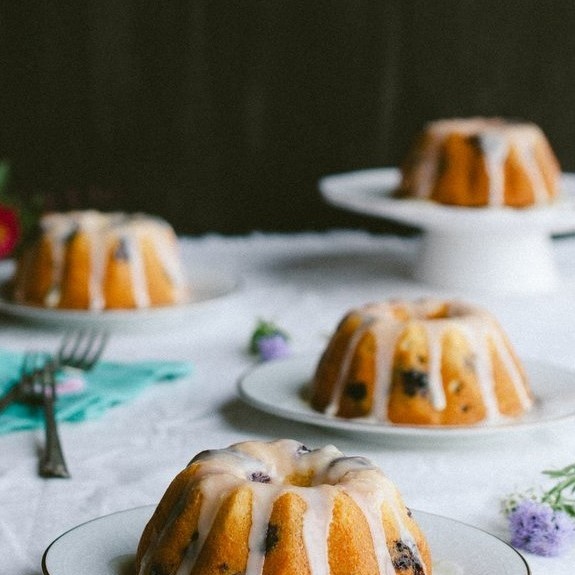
(422, 362)
(94, 261)
(276, 508)
(478, 162)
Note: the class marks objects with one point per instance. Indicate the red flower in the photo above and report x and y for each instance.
(10, 230)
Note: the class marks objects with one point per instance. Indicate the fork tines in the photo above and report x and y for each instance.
(82, 349)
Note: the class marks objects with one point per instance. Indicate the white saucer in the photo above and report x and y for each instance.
(497, 249)
(278, 387)
(107, 546)
(208, 287)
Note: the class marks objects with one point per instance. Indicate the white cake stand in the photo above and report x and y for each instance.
(484, 249)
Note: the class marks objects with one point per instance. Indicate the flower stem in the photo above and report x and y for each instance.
(555, 497)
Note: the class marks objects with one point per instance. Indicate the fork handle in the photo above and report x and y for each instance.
(52, 463)
(10, 396)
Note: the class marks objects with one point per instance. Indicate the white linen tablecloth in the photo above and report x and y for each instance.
(303, 282)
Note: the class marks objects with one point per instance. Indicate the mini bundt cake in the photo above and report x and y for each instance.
(94, 261)
(479, 162)
(426, 362)
(276, 508)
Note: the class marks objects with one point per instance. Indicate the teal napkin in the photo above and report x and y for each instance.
(107, 385)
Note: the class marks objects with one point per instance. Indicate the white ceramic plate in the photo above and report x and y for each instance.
(371, 192)
(208, 287)
(107, 545)
(278, 387)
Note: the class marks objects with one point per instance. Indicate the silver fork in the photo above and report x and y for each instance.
(81, 350)
(37, 386)
(52, 463)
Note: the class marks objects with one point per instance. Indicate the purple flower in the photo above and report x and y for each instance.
(273, 346)
(537, 528)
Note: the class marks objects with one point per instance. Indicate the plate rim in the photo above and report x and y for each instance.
(353, 190)
(420, 516)
(305, 414)
(84, 524)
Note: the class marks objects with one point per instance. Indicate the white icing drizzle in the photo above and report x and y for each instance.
(264, 497)
(92, 229)
(103, 231)
(496, 139)
(328, 471)
(478, 336)
(495, 149)
(137, 272)
(533, 172)
(333, 407)
(317, 519)
(434, 333)
(512, 367)
(370, 502)
(384, 357)
(475, 324)
(53, 296)
(171, 260)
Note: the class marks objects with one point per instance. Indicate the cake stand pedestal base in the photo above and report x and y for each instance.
(494, 261)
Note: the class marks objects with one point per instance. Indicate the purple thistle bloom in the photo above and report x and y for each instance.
(537, 528)
(273, 346)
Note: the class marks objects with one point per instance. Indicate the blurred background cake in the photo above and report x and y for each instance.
(481, 162)
(95, 261)
(271, 508)
(423, 362)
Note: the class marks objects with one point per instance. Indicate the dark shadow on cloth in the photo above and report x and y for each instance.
(327, 267)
